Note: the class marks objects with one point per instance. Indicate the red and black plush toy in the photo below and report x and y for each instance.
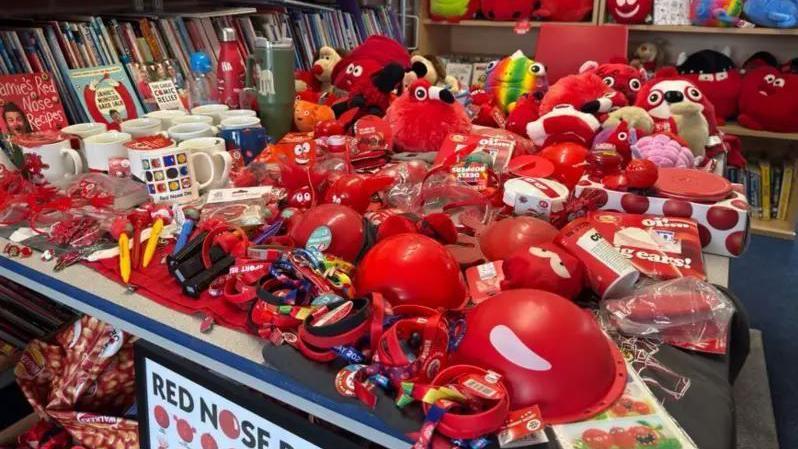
(366, 59)
(618, 75)
(507, 9)
(374, 97)
(423, 116)
(769, 100)
(585, 92)
(563, 10)
(715, 74)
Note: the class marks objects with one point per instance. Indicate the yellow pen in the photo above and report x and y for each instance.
(124, 257)
(152, 243)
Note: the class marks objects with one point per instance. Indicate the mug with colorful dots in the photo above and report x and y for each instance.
(170, 172)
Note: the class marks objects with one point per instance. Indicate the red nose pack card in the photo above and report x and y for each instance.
(500, 150)
(659, 247)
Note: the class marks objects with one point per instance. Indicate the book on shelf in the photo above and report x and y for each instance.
(754, 189)
(775, 188)
(30, 102)
(106, 93)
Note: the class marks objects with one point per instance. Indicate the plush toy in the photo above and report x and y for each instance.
(630, 11)
(692, 125)
(305, 81)
(324, 65)
(355, 190)
(618, 75)
(366, 59)
(423, 116)
(544, 266)
(373, 97)
(434, 72)
(715, 74)
(563, 10)
(513, 76)
(484, 110)
(664, 150)
(715, 13)
(452, 10)
(307, 115)
(585, 91)
(769, 100)
(618, 139)
(507, 9)
(636, 117)
(527, 109)
(648, 56)
(772, 13)
(759, 59)
(563, 124)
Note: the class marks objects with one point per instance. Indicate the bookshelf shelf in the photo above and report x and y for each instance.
(714, 30)
(491, 23)
(737, 130)
(782, 229)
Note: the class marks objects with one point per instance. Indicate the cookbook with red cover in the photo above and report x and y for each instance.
(30, 102)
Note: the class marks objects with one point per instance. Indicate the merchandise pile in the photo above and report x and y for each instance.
(438, 242)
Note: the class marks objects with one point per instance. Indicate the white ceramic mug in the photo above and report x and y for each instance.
(142, 127)
(80, 132)
(139, 148)
(238, 113)
(240, 122)
(61, 161)
(215, 148)
(207, 119)
(186, 131)
(170, 174)
(212, 110)
(167, 117)
(101, 147)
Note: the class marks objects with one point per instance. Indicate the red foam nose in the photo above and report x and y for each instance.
(317, 69)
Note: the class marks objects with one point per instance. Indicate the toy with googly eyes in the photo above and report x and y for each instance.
(716, 75)
(630, 11)
(513, 76)
(618, 139)
(308, 114)
(354, 71)
(304, 153)
(621, 77)
(769, 100)
(422, 117)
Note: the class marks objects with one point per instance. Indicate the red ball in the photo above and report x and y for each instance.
(412, 269)
(568, 159)
(347, 230)
(229, 424)
(504, 237)
(161, 417)
(550, 353)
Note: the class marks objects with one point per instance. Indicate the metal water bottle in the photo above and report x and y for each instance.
(270, 72)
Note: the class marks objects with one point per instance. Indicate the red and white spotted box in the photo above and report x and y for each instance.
(723, 226)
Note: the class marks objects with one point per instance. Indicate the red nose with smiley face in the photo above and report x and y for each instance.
(630, 11)
(550, 352)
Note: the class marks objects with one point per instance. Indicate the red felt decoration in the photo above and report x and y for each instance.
(769, 100)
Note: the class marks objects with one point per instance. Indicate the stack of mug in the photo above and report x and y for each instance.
(176, 154)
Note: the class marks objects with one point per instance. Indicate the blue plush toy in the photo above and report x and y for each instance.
(772, 13)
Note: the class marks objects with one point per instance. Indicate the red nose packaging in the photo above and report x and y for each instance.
(611, 274)
(659, 247)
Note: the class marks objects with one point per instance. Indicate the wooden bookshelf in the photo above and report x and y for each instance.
(781, 229)
(737, 130)
(715, 30)
(490, 23)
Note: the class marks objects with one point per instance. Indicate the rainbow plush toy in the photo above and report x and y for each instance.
(513, 76)
(715, 13)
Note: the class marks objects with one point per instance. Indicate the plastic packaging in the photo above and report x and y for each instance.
(202, 85)
(685, 312)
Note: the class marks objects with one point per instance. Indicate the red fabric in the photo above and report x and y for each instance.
(155, 283)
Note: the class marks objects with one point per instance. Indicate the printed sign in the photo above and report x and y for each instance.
(166, 96)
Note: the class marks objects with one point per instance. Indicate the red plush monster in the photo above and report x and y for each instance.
(507, 9)
(545, 267)
(424, 115)
(485, 110)
(630, 11)
(374, 97)
(715, 74)
(527, 110)
(563, 10)
(585, 91)
(769, 100)
(620, 76)
(366, 59)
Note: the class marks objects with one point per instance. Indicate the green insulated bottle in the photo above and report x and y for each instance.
(270, 72)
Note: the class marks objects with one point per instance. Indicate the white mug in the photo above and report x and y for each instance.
(170, 174)
(61, 161)
(238, 113)
(214, 147)
(167, 117)
(80, 132)
(207, 119)
(240, 122)
(138, 149)
(142, 127)
(101, 147)
(185, 131)
(212, 110)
